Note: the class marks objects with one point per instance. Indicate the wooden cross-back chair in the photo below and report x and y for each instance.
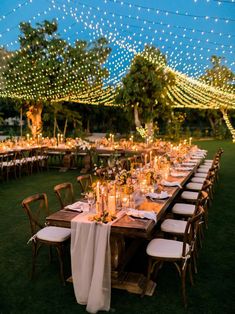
(36, 208)
(177, 252)
(64, 193)
(85, 182)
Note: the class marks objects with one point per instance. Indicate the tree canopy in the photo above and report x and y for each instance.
(46, 67)
(144, 86)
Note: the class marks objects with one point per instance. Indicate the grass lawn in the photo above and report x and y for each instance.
(214, 290)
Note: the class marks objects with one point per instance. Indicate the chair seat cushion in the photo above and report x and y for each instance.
(207, 163)
(197, 180)
(184, 209)
(204, 167)
(200, 175)
(54, 234)
(174, 226)
(188, 195)
(194, 186)
(201, 170)
(164, 248)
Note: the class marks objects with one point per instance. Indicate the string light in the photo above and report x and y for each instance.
(184, 51)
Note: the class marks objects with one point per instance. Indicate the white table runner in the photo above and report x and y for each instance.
(91, 263)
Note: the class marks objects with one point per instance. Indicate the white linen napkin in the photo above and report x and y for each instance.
(177, 174)
(78, 206)
(184, 168)
(169, 183)
(142, 214)
(161, 195)
(189, 163)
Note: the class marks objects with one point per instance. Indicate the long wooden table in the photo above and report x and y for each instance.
(135, 229)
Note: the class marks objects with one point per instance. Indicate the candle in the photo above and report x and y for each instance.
(125, 202)
(98, 191)
(150, 157)
(97, 197)
(190, 140)
(145, 159)
(155, 161)
(27, 136)
(112, 204)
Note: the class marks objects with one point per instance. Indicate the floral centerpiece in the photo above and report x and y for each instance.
(82, 144)
(123, 177)
(103, 217)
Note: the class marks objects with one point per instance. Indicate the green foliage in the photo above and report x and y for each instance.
(145, 84)
(174, 125)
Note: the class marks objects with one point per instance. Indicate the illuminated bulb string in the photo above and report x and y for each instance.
(166, 12)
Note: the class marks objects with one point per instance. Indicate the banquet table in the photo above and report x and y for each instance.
(136, 230)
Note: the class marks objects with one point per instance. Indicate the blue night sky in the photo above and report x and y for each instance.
(187, 31)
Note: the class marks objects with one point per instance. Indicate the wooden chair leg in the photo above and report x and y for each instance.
(194, 262)
(50, 254)
(190, 272)
(183, 279)
(34, 256)
(59, 249)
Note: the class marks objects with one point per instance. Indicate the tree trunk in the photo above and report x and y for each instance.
(21, 122)
(212, 123)
(150, 129)
(65, 126)
(88, 126)
(34, 115)
(136, 116)
(55, 125)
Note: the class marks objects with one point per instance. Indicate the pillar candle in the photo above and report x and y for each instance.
(145, 159)
(97, 197)
(112, 204)
(150, 157)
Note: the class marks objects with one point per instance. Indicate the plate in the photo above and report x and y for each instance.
(157, 196)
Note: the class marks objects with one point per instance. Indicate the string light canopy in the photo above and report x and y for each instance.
(187, 38)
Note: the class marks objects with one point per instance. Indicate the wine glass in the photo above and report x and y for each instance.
(90, 200)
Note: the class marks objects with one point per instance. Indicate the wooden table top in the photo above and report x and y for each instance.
(130, 226)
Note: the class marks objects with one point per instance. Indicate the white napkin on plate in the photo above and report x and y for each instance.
(78, 206)
(161, 195)
(189, 163)
(177, 174)
(184, 168)
(169, 183)
(142, 214)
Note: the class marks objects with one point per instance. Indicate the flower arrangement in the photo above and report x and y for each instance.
(123, 177)
(82, 144)
(103, 217)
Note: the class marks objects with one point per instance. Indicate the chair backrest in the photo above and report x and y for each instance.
(191, 230)
(123, 163)
(136, 165)
(102, 173)
(195, 221)
(85, 182)
(64, 193)
(36, 207)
